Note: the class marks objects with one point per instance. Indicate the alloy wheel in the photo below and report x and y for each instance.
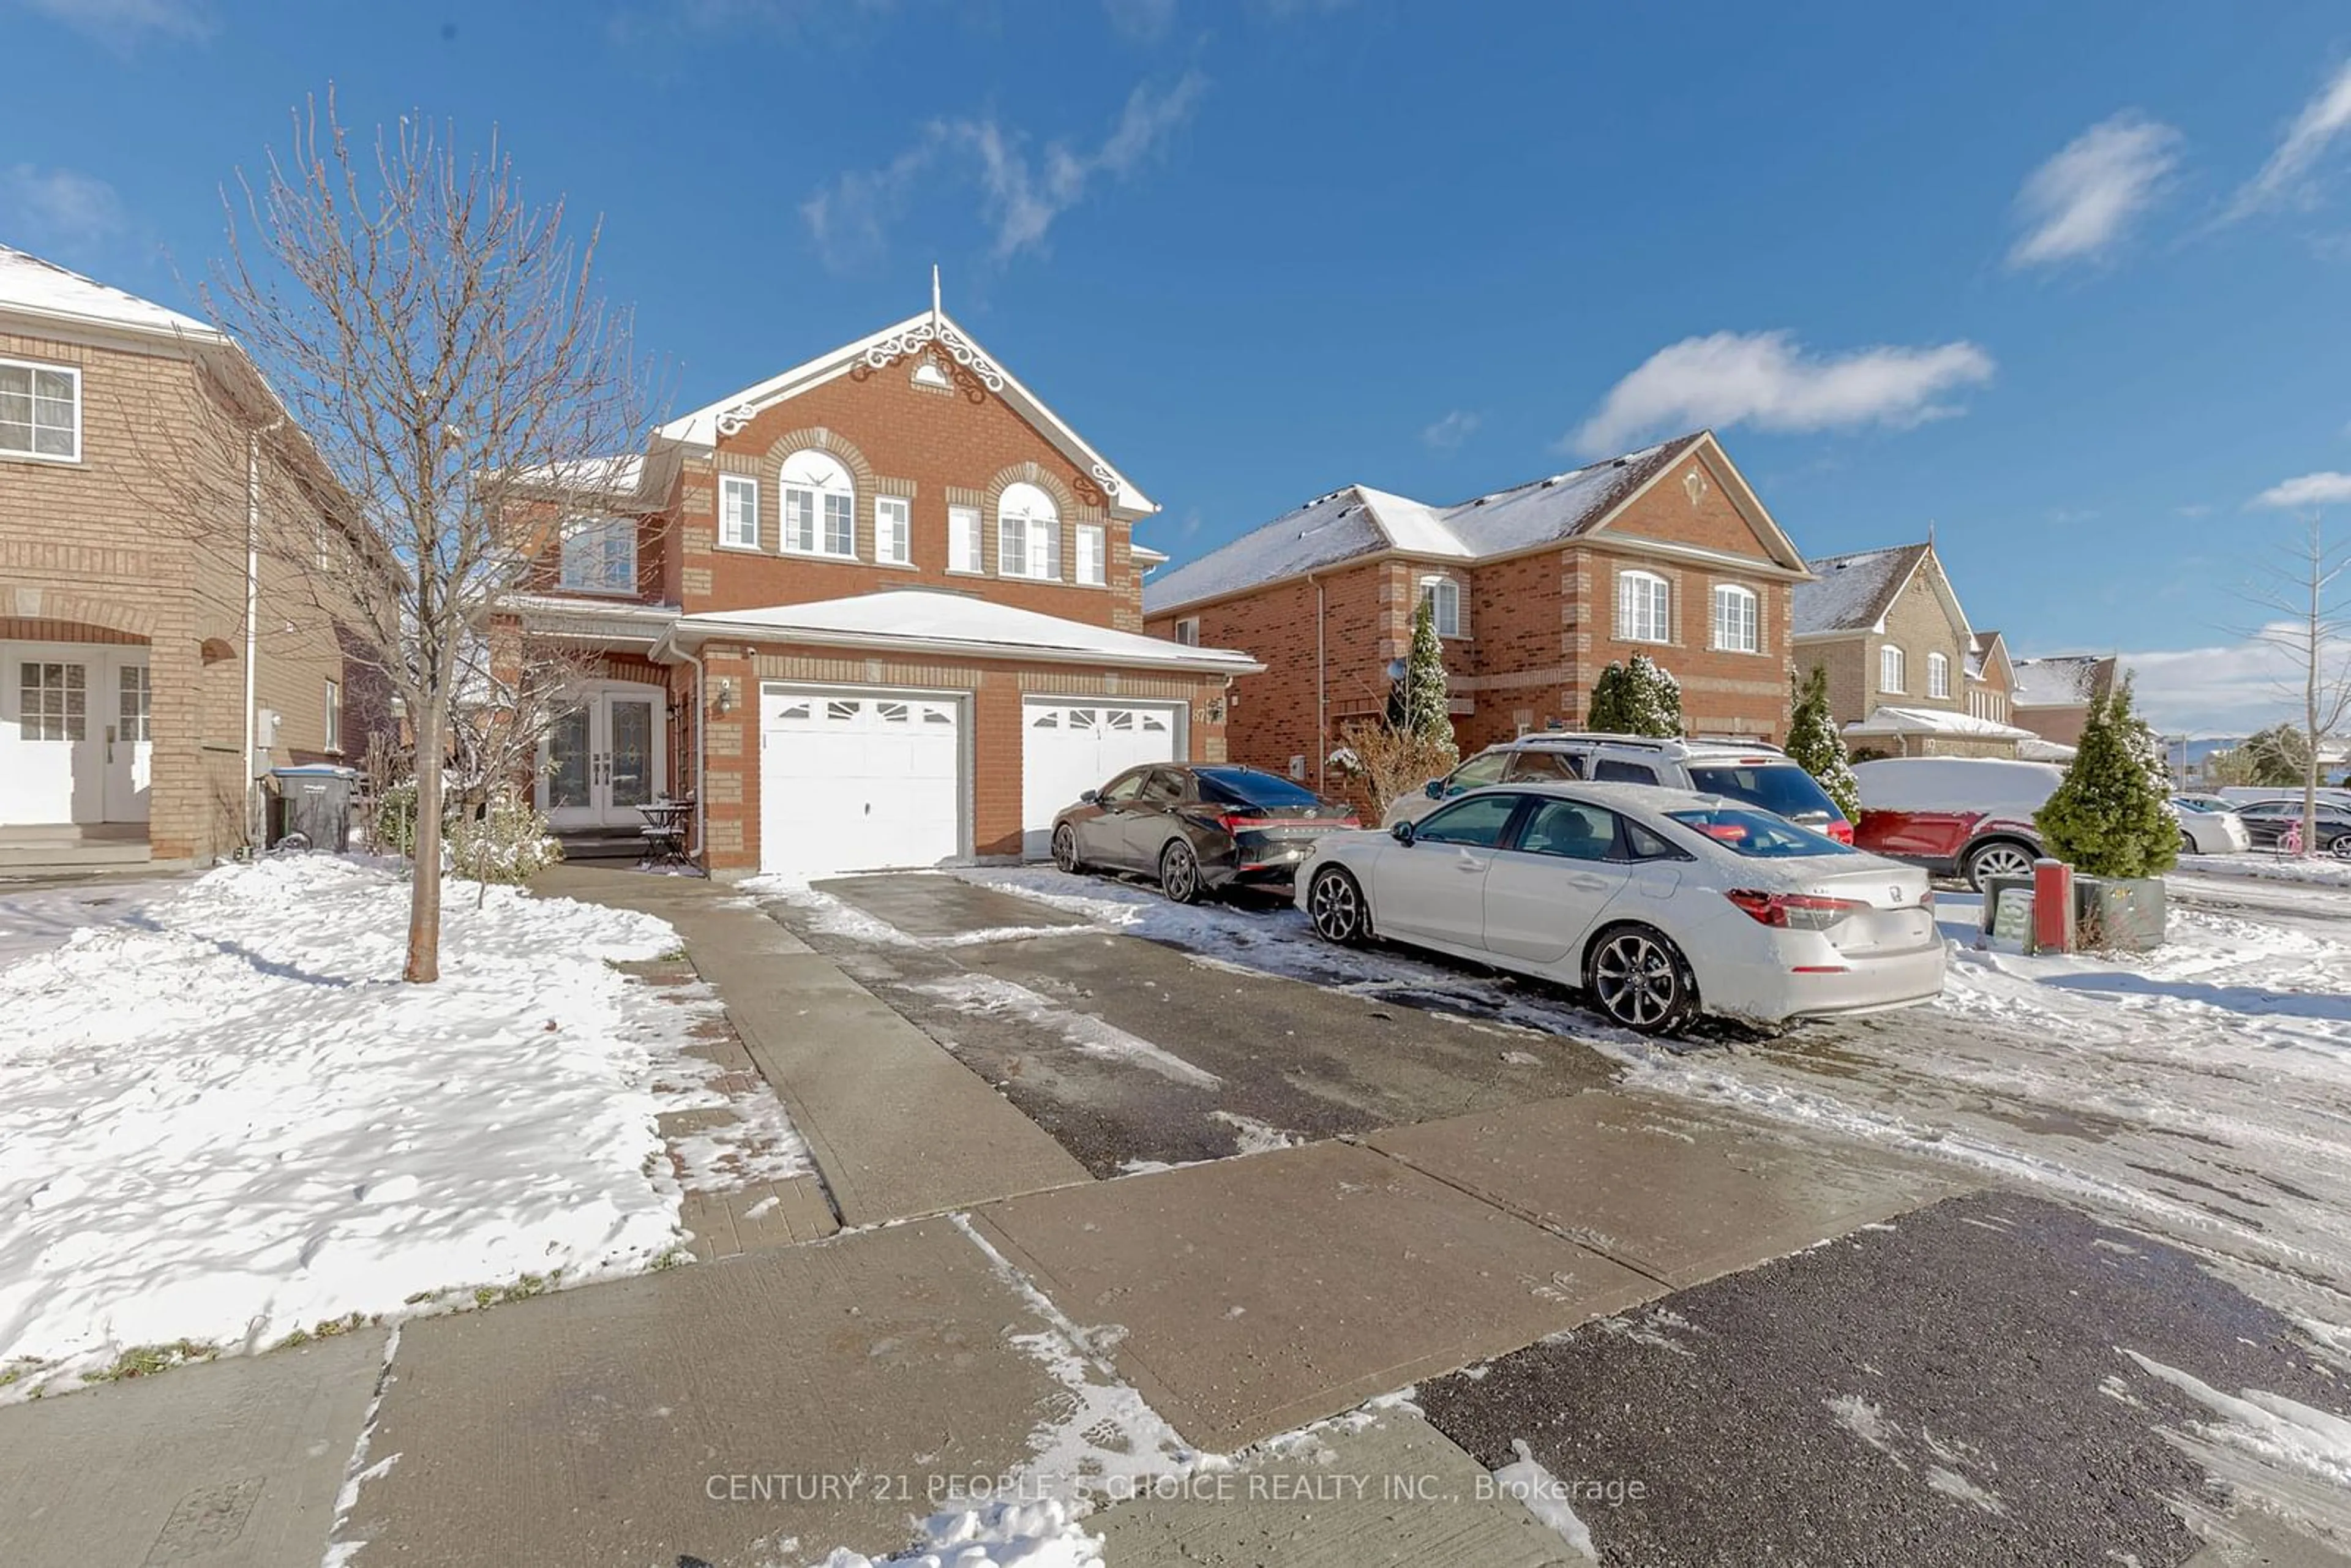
(1179, 874)
(1998, 860)
(1065, 847)
(1337, 907)
(1636, 980)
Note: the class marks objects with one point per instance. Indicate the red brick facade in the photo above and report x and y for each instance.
(1538, 628)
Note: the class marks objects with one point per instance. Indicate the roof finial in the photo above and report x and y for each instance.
(935, 294)
(1931, 533)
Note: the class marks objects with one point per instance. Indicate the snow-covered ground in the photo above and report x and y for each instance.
(2268, 865)
(225, 1121)
(41, 919)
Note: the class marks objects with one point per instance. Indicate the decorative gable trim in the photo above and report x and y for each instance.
(1704, 449)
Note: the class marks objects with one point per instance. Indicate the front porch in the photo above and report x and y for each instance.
(73, 848)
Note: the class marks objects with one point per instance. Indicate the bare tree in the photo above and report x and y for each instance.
(1391, 763)
(438, 339)
(2307, 618)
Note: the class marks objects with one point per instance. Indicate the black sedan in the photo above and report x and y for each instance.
(1197, 827)
(2267, 822)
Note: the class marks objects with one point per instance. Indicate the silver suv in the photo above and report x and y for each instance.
(1751, 770)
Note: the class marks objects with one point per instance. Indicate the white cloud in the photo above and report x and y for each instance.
(124, 22)
(1147, 20)
(1767, 379)
(58, 206)
(2083, 202)
(1022, 197)
(2230, 689)
(2286, 176)
(1447, 433)
(2323, 489)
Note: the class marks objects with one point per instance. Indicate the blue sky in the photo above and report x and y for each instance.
(2066, 282)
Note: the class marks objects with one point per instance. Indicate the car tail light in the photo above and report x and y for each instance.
(1233, 824)
(1841, 830)
(1348, 822)
(1793, 910)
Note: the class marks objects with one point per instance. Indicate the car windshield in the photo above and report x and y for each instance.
(1249, 787)
(1780, 788)
(1756, 834)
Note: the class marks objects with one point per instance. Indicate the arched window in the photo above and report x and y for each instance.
(819, 505)
(1028, 534)
(1939, 675)
(1643, 608)
(1736, 627)
(1889, 669)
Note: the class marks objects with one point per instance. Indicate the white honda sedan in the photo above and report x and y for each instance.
(1660, 903)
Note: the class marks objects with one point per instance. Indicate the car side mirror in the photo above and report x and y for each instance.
(1402, 833)
(1088, 796)
(1433, 789)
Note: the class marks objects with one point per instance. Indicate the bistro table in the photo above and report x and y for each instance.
(664, 835)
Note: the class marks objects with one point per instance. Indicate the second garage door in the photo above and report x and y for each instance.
(1068, 746)
(858, 781)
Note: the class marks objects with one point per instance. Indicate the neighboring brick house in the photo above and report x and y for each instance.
(882, 609)
(1902, 660)
(1991, 677)
(2053, 694)
(1665, 551)
(131, 680)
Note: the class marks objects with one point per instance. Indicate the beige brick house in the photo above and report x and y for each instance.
(139, 692)
(1907, 676)
(1665, 551)
(881, 610)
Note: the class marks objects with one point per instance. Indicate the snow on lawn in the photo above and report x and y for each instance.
(2266, 865)
(42, 919)
(225, 1119)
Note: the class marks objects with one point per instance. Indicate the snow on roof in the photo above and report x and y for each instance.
(2062, 681)
(1980, 645)
(936, 616)
(1932, 721)
(37, 287)
(1360, 520)
(1852, 592)
(614, 474)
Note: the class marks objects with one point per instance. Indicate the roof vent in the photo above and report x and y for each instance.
(1548, 483)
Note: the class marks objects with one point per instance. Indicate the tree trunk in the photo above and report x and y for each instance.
(425, 885)
(2314, 645)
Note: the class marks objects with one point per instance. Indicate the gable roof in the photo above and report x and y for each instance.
(704, 426)
(1853, 592)
(1980, 648)
(31, 286)
(1359, 521)
(2065, 680)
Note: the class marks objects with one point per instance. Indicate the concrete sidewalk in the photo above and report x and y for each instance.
(898, 1128)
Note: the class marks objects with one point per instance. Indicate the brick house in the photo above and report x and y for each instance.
(1991, 677)
(881, 610)
(1907, 674)
(141, 688)
(1535, 590)
(2053, 694)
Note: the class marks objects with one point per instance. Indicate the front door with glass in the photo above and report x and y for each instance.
(603, 758)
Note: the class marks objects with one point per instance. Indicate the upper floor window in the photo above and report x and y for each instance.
(1093, 555)
(1736, 627)
(963, 540)
(600, 555)
(1889, 669)
(738, 512)
(1939, 675)
(1187, 631)
(1643, 608)
(1443, 596)
(40, 411)
(892, 530)
(1028, 534)
(819, 505)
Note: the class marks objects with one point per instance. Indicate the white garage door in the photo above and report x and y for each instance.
(858, 781)
(1070, 746)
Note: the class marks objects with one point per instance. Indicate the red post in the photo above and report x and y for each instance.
(2052, 907)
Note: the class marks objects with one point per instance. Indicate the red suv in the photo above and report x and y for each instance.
(1971, 816)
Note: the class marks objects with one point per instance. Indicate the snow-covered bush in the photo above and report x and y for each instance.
(507, 842)
(1815, 745)
(2110, 816)
(1637, 698)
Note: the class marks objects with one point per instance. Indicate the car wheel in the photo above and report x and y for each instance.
(1065, 849)
(2340, 845)
(2001, 857)
(2187, 842)
(1179, 873)
(1641, 981)
(1336, 903)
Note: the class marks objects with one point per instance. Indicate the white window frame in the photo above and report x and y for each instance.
(1444, 597)
(966, 550)
(1093, 555)
(1187, 631)
(35, 370)
(893, 531)
(335, 717)
(738, 504)
(1742, 630)
(1939, 677)
(1641, 597)
(813, 510)
(603, 583)
(1892, 670)
(1026, 517)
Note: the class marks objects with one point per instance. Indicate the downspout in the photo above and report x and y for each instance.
(701, 751)
(1321, 718)
(253, 620)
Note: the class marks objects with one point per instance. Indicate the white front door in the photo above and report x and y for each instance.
(858, 781)
(129, 739)
(75, 744)
(603, 758)
(1071, 744)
